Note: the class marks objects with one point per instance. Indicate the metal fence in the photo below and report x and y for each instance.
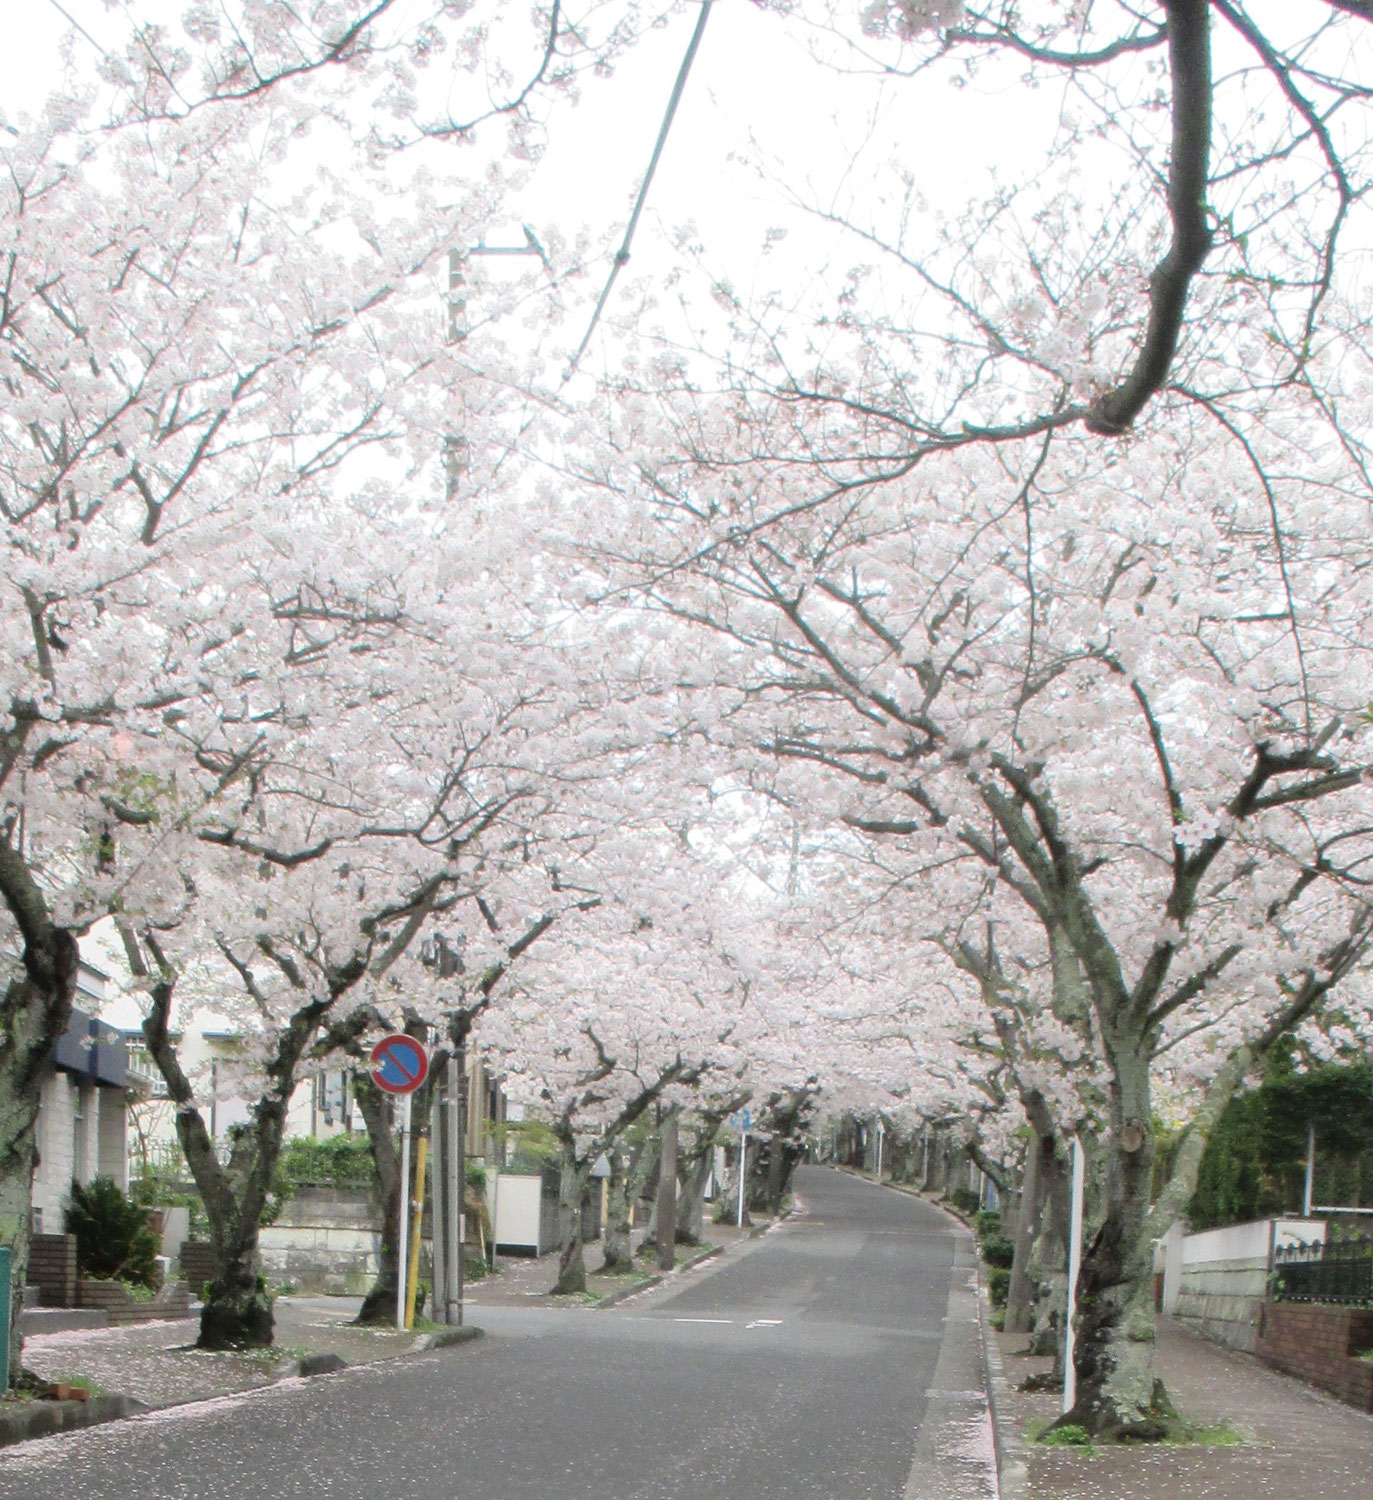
(1338, 1272)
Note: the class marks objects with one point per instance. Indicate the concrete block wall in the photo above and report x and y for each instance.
(197, 1266)
(324, 1240)
(1320, 1345)
(1217, 1281)
(111, 1298)
(52, 1269)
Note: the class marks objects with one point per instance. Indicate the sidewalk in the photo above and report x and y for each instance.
(158, 1365)
(1296, 1444)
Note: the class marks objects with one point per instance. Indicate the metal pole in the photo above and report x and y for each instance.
(6, 1313)
(880, 1132)
(412, 1277)
(452, 1269)
(1309, 1190)
(1074, 1266)
(743, 1172)
(438, 1203)
(404, 1209)
(460, 1156)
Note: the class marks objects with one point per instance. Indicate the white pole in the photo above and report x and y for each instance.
(880, 1132)
(743, 1172)
(1310, 1170)
(1074, 1265)
(403, 1271)
(452, 1288)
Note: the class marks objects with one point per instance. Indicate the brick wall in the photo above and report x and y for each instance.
(111, 1298)
(1319, 1344)
(52, 1269)
(197, 1264)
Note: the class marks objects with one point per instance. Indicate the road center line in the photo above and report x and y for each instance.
(703, 1320)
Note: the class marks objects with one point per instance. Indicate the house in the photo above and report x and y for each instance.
(83, 1111)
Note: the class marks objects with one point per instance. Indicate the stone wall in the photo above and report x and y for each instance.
(1217, 1285)
(325, 1240)
(1320, 1344)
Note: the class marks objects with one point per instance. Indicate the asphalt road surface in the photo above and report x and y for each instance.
(833, 1357)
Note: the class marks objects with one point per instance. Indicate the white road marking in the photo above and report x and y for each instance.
(704, 1320)
(765, 1323)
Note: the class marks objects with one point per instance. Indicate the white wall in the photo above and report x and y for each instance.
(1217, 1280)
(81, 1135)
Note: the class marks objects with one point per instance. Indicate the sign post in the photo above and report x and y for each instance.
(400, 1065)
(744, 1123)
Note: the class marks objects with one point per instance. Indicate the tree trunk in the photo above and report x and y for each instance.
(1118, 1394)
(1048, 1267)
(665, 1230)
(34, 1012)
(379, 1305)
(624, 1195)
(572, 1191)
(1027, 1210)
(238, 1307)
(691, 1204)
(619, 1256)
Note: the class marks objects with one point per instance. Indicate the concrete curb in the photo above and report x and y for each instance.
(633, 1290)
(444, 1338)
(22, 1420)
(701, 1256)
(1012, 1474)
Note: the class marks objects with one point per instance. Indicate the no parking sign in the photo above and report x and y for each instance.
(399, 1064)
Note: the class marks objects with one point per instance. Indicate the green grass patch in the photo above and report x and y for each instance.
(1219, 1435)
(1071, 1436)
(84, 1381)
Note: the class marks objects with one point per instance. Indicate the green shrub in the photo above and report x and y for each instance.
(965, 1200)
(475, 1174)
(998, 1252)
(987, 1224)
(998, 1285)
(114, 1241)
(342, 1161)
(1070, 1435)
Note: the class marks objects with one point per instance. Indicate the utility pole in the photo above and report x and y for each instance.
(667, 1195)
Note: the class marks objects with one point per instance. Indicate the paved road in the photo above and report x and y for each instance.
(804, 1367)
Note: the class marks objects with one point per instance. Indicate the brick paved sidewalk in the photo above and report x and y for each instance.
(1297, 1444)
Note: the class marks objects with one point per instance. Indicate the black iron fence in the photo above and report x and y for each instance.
(1339, 1272)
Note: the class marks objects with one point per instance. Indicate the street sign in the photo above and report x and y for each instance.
(399, 1064)
(748, 1121)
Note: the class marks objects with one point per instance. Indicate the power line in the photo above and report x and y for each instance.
(73, 22)
(622, 254)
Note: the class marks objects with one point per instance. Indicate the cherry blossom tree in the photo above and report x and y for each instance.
(1112, 701)
(221, 385)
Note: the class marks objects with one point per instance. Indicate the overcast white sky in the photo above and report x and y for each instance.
(755, 96)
